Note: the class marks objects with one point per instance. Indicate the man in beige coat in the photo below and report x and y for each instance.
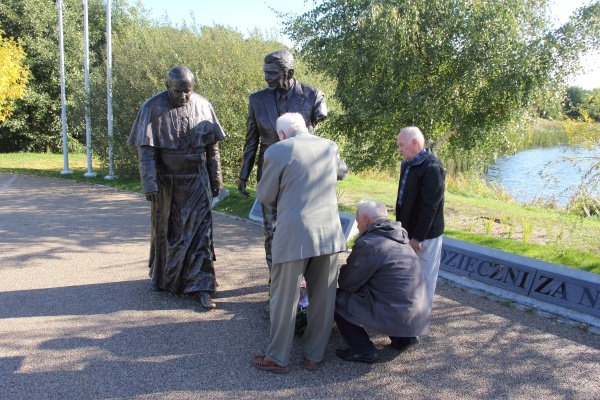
(300, 174)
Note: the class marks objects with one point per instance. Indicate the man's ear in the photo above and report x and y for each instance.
(365, 219)
(290, 73)
(167, 84)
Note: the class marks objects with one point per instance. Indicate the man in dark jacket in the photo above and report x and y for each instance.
(381, 288)
(420, 203)
(283, 94)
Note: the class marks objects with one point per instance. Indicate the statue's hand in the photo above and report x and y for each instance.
(215, 192)
(153, 197)
(242, 188)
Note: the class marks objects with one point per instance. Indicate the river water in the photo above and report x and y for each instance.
(550, 174)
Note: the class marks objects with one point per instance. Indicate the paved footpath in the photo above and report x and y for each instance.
(77, 320)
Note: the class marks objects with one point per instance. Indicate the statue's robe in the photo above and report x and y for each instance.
(179, 160)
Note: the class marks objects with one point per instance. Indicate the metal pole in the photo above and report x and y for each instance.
(109, 114)
(66, 170)
(86, 63)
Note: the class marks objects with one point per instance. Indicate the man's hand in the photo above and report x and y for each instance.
(215, 192)
(153, 197)
(416, 245)
(242, 188)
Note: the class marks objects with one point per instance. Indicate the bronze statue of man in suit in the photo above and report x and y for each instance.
(284, 94)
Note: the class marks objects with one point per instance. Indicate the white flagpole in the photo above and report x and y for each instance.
(66, 170)
(109, 116)
(86, 63)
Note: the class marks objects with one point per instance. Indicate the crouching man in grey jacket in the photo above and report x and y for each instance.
(381, 288)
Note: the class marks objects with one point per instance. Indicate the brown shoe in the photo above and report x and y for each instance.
(310, 365)
(265, 364)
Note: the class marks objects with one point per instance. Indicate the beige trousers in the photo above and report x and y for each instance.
(321, 275)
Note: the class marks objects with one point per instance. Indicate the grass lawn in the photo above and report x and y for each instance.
(549, 235)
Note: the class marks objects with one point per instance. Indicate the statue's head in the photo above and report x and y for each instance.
(279, 70)
(180, 84)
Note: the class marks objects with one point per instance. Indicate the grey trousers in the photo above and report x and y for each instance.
(430, 257)
(321, 275)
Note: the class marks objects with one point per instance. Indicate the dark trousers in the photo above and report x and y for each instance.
(355, 336)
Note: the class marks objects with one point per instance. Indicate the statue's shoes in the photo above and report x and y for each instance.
(205, 301)
(153, 287)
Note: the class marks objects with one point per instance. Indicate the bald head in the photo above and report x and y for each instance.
(180, 73)
(180, 84)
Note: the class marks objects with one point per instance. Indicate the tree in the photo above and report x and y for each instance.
(13, 75)
(574, 100)
(592, 104)
(463, 71)
(582, 105)
(35, 124)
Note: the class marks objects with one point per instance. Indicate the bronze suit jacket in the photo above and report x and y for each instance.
(262, 116)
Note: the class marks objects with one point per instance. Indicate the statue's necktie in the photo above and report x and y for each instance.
(282, 106)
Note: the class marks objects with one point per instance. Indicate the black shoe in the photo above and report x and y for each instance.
(205, 301)
(350, 355)
(404, 344)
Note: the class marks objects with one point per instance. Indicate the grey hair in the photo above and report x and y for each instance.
(412, 132)
(290, 122)
(373, 209)
(283, 58)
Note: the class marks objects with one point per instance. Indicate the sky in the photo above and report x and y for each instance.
(246, 15)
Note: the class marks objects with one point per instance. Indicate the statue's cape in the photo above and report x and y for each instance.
(164, 125)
